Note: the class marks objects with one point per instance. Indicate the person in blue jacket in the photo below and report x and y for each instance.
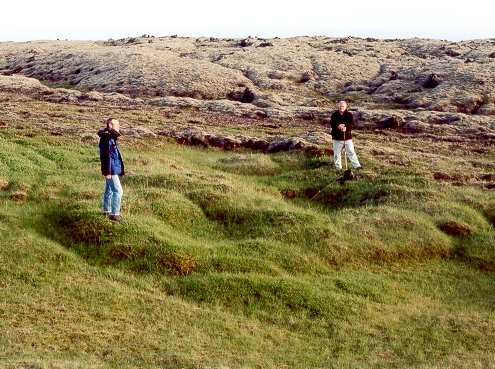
(112, 167)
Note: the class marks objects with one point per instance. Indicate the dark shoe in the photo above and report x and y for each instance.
(359, 168)
(106, 214)
(116, 218)
(348, 175)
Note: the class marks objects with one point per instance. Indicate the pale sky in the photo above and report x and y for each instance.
(95, 20)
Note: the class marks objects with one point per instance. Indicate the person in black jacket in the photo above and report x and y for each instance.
(112, 167)
(342, 123)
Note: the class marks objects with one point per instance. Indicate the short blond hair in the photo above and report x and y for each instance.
(110, 120)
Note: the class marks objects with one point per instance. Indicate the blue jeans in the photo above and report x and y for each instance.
(112, 196)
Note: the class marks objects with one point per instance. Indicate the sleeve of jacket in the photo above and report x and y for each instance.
(105, 156)
(349, 121)
(349, 125)
(122, 163)
(334, 122)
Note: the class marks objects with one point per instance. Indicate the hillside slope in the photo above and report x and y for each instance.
(233, 254)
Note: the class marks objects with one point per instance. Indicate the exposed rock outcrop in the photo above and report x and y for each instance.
(412, 85)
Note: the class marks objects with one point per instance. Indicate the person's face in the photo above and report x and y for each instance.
(115, 125)
(342, 107)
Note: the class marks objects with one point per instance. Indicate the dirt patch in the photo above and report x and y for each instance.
(456, 229)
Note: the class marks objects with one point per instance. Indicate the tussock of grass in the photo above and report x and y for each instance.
(260, 297)
(477, 251)
(104, 243)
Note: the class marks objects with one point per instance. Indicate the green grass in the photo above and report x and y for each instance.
(227, 260)
(61, 84)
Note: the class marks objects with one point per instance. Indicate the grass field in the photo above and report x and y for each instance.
(234, 259)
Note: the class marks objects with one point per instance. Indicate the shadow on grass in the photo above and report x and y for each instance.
(102, 242)
(340, 194)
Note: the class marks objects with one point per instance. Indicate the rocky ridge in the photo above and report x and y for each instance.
(419, 86)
